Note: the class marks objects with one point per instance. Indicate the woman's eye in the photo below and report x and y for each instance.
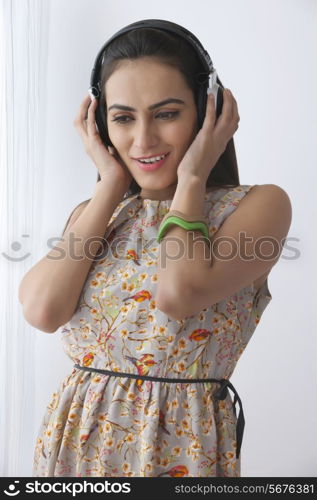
(164, 114)
(119, 119)
(168, 114)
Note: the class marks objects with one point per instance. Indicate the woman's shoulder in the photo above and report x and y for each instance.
(270, 191)
(254, 188)
(248, 197)
(267, 187)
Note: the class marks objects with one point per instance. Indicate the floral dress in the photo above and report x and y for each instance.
(104, 425)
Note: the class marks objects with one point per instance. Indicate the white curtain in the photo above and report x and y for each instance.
(23, 56)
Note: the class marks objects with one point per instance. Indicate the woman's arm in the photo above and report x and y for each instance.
(49, 292)
(258, 227)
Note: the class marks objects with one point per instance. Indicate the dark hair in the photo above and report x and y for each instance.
(177, 52)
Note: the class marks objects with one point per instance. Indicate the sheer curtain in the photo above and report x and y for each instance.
(23, 55)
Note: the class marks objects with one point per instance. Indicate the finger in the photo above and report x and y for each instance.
(224, 121)
(227, 123)
(82, 114)
(210, 117)
(81, 120)
(91, 123)
(228, 105)
(236, 116)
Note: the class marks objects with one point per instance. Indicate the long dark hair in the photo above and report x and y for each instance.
(172, 50)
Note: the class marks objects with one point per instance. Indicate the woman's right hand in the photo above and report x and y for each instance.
(108, 162)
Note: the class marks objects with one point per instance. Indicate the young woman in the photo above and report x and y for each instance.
(155, 330)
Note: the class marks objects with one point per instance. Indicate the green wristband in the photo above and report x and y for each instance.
(173, 219)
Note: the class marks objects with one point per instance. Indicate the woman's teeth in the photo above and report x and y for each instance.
(154, 159)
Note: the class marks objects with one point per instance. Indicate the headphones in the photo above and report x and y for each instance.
(209, 83)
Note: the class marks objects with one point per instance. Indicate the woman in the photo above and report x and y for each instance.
(157, 322)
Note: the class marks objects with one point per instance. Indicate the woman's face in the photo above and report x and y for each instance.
(138, 132)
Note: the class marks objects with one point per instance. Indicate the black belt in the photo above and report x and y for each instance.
(221, 393)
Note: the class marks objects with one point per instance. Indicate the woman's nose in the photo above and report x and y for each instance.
(145, 135)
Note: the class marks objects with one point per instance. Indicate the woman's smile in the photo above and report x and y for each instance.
(149, 166)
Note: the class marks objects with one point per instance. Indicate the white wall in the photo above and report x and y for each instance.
(265, 52)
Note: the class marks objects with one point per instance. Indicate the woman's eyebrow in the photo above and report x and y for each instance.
(153, 106)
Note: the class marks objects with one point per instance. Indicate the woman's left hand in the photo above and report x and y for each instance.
(211, 140)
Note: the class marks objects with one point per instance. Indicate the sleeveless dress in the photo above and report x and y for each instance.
(108, 426)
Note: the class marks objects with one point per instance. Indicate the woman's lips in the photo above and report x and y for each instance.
(149, 167)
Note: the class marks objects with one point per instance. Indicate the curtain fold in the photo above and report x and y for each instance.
(23, 54)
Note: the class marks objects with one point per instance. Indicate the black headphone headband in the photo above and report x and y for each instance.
(95, 86)
(151, 23)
